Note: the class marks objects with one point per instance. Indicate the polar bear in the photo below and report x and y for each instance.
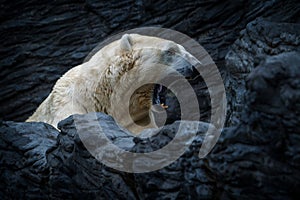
(101, 84)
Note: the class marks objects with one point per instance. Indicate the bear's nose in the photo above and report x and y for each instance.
(190, 72)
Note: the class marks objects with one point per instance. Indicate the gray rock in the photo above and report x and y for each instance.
(42, 40)
(260, 157)
(257, 155)
(257, 159)
(261, 38)
(38, 162)
(56, 165)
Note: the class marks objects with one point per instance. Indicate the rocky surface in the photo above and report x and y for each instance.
(41, 162)
(259, 39)
(41, 40)
(258, 159)
(255, 44)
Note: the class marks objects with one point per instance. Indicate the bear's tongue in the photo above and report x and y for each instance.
(166, 100)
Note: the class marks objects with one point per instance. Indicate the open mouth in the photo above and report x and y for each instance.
(165, 104)
(159, 96)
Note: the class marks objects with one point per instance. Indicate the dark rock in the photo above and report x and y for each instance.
(255, 44)
(259, 158)
(24, 150)
(42, 40)
(261, 38)
(41, 164)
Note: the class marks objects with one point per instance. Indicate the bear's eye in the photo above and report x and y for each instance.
(168, 56)
(170, 52)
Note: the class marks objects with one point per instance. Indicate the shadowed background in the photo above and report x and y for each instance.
(41, 40)
(255, 44)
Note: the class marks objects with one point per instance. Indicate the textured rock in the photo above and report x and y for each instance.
(261, 38)
(259, 159)
(42, 163)
(38, 163)
(24, 160)
(41, 40)
(256, 158)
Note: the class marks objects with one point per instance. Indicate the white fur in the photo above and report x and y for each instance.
(104, 82)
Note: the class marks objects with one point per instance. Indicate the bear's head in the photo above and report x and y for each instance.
(135, 66)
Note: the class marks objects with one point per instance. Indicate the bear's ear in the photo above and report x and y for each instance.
(126, 43)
